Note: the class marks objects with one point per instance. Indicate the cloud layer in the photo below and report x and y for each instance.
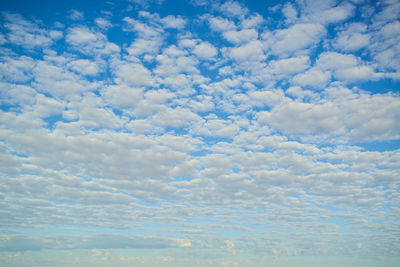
(218, 137)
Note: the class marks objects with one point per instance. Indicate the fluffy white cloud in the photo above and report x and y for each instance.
(216, 128)
(353, 38)
(290, 65)
(313, 77)
(174, 22)
(25, 33)
(16, 69)
(122, 96)
(90, 42)
(290, 13)
(233, 9)
(349, 117)
(267, 98)
(252, 22)
(326, 12)
(81, 36)
(221, 24)
(346, 67)
(358, 73)
(252, 51)
(175, 118)
(46, 106)
(149, 37)
(58, 82)
(205, 50)
(295, 38)
(84, 66)
(385, 47)
(202, 103)
(243, 36)
(17, 94)
(333, 61)
(304, 118)
(133, 74)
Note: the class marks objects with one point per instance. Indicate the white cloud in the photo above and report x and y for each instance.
(46, 106)
(122, 96)
(103, 23)
(239, 37)
(17, 94)
(159, 96)
(81, 36)
(58, 82)
(304, 118)
(347, 67)
(267, 98)
(220, 24)
(252, 51)
(298, 92)
(233, 9)
(149, 38)
(181, 84)
(174, 61)
(95, 118)
(388, 13)
(290, 65)
(290, 12)
(358, 73)
(147, 3)
(348, 117)
(337, 14)
(25, 33)
(142, 46)
(16, 69)
(140, 126)
(333, 61)
(174, 22)
(175, 118)
(133, 74)
(295, 38)
(205, 50)
(251, 22)
(353, 38)
(84, 66)
(202, 103)
(90, 42)
(75, 14)
(326, 12)
(56, 35)
(385, 46)
(187, 43)
(216, 128)
(312, 77)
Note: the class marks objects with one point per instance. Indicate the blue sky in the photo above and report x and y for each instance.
(195, 133)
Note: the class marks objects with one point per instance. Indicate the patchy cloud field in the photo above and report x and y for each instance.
(200, 133)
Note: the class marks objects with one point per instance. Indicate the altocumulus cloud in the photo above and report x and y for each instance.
(222, 133)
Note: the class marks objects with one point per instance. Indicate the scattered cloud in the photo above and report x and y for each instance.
(216, 133)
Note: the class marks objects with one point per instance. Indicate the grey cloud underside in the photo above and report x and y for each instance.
(140, 135)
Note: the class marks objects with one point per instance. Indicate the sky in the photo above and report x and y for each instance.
(199, 133)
